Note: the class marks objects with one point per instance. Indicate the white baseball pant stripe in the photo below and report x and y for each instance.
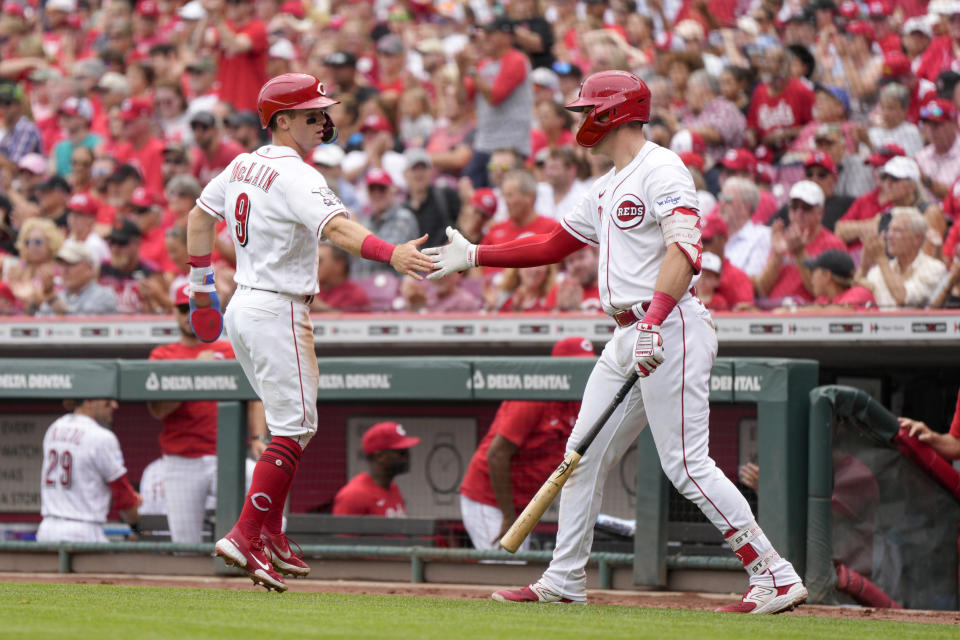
(675, 400)
(53, 529)
(272, 337)
(187, 485)
(483, 522)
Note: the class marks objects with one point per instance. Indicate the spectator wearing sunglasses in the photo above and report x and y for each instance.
(213, 152)
(939, 161)
(820, 168)
(38, 241)
(785, 274)
(138, 285)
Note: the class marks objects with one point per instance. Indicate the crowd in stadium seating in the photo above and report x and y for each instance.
(822, 137)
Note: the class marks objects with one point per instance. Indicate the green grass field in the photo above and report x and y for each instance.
(36, 611)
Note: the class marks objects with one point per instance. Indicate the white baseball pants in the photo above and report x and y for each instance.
(675, 401)
(272, 337)
(482, 523)
(188, 484)
(53, 529)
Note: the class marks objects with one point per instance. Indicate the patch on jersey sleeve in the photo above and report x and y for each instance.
(330, 199)
(629, 211)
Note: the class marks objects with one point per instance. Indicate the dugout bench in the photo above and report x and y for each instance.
(778, 387)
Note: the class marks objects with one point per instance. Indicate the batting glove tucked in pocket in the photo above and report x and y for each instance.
(648, 349)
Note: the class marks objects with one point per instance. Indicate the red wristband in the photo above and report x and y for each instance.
(373, 248)
(660, 307)
(199, 261)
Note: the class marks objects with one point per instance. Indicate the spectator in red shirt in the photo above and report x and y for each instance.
(523, 445)
(212, 152)
(188, 439)
(710, 271)
(734, 287)
(337, 291)
(374, 493)
(520, 193)
(870, 204)
(941, 55)
(141, 149)
(523, 289)
(946, 444)
(242, 44)
(149, 218)
(578, 290)
(831, 274)
(780, 104)
(785, 275)
(391, 64)
(885, 37)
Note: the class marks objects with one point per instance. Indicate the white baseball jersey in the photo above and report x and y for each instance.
(80, 458)
(621, 215)
(275, 206)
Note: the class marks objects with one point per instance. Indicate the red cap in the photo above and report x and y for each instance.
(939, 110)
(385, 436)
(294, 8)
(379, 177)
(895, 64)
(82, 203)
(484, 200)
(822, 159)
(860, 28)
(13, 9)
(148, 9)
(879, 8)
(879, 157)
(574, 346)
(182, 295)
(6, 293)
(739, 160)
(848, 9)
(374, 122)
(133, 108)
(141, 198)
(692, 159)
(711, 226)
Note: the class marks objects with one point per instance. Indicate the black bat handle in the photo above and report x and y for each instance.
(602, 420)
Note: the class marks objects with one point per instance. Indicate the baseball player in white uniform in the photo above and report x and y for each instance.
(643, 216)
(82, 471)
(277, 206)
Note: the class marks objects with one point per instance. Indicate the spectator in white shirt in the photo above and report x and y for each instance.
(748, 243)
(894, 128)
(565, 191)
(909, 277)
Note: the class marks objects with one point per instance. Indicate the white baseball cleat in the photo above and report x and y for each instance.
(249, 555)
(761, 599)
(535, 592)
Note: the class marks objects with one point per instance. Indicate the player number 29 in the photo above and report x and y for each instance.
(62, 462)
(242, 214)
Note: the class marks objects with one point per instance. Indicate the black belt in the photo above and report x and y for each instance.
(627, 317)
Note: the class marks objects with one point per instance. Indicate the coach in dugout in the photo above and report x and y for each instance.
(82, 473)
(374, 493)
(524, 444)
(188, 440)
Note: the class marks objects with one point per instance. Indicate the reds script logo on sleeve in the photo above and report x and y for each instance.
(628, 212)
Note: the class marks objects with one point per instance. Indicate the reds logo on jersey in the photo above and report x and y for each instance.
(629, 211)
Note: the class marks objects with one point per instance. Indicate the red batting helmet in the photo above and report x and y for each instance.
(610, 98)
(291, 91)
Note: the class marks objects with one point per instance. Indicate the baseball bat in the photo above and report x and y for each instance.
(544, 497)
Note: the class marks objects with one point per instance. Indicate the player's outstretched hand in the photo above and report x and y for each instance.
(457, 255)
(408, 260)
(648, 349)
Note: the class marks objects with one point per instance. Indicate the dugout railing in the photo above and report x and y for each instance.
(778, 387)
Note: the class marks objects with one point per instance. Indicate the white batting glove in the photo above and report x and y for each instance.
(457, 255)
(649, 348)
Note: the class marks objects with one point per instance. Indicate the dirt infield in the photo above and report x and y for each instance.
(656, 599)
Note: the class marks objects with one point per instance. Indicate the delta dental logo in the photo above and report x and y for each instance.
(629, 211)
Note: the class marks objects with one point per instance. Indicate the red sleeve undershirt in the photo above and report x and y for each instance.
(529, 251)
(513, 70)
(124, 496)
